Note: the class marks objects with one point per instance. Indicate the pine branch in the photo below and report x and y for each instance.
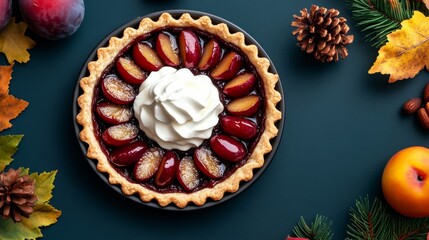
(365, 219)
(320, 229)
(378, 18)
(379, 221)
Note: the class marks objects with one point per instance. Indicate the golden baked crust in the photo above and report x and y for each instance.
(231, 184)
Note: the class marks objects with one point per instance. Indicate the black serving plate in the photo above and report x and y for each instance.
(176, 14)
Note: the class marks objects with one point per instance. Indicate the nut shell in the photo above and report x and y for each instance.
(426, 93)
(423, 117)
(411, 106)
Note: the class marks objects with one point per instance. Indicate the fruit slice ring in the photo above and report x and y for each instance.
(239, 149)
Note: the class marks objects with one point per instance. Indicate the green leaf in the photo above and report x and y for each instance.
(43, 215)
(17, 231)
(8, 147)
(44, 185)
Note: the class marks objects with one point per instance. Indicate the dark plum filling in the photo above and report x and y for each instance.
(215, 62)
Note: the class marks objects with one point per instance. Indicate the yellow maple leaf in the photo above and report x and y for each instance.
(407, 50)
(13, 42)
(10, 106)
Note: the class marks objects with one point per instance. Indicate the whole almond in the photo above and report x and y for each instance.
(423, 117)
(411, 106)
(426, 93)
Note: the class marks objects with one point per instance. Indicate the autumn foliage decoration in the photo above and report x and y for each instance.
(400, 28)
(10, 106)
(407, 50)
(378, 18)
(14, 43)
(24, 196)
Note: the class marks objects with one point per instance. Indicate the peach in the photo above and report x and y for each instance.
(146, 57)
(405, 182)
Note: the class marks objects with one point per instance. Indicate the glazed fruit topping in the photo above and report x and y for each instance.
(167, 169)
(208, 163)
(239, 127)
(240, 86)
(130, 149)
(187, 174)
(117, 91)
(167, 50)
(228, 67)
(190, 48)
(246, 106)
(228, 148)
(114, 113)
(119, 135)
(148, 164)
(129, 71)
(128, 154)
(211, 56)
(146, 57)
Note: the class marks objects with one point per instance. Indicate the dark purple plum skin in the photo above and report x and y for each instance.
(53, 19)
(5, 12)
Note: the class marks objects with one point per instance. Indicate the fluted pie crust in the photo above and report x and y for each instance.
(107, 55)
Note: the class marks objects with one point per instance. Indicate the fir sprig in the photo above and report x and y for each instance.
(320, 229)
(365, 220)
(379, 221)
(368, 221)
(378, 18)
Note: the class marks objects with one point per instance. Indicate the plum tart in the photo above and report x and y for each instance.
(178, 110)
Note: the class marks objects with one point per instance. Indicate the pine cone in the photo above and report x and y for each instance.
(17, 196)
(322, 33)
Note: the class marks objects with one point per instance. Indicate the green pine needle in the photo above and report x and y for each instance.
(368, 221)
(378, 18)
(377, 221)
(320, 229)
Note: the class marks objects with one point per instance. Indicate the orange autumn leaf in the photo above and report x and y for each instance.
(10, 107)
(13, 42)
(407, 50)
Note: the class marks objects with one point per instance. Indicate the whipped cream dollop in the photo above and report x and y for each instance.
(176, 108)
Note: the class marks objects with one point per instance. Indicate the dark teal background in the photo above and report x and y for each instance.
(341, 127)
